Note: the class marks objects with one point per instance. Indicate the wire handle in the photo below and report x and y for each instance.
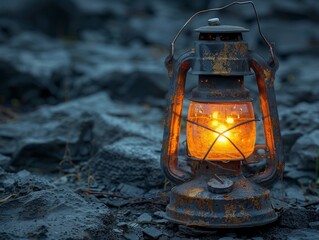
(171, 56)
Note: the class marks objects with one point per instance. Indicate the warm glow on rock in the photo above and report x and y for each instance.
(221, 117)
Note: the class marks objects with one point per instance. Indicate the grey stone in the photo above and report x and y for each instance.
(109, 117)
(298, 174)
(131, 236)
(297, 121)
(116, 230)
(295, 9)
(115, 202)
(54, 214)
(289, 138)
(4, 161)
(100, 7)
(60, 19)
(127, 74)
(44, 145)
(302, 35)
(33, 65)
(160, 22)
(159, 214)
(314, 225)
(24, 183)
(292, 72)
(145, 217)
(40, 71)
(164, 237)
(302, 117)
(122, 224)
(23, 174)
(294, 193)
(46, 137)
(61, 181)
(139, 161)
(91, 198)
(305, 181)
(152, 232)
(297, 218)
(65, 18)
(305, 152)
(161, 221)
(40, 209)
(303, 234)
(130, 191)
(8, 182)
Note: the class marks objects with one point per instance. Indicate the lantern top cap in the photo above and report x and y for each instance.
(215, 26)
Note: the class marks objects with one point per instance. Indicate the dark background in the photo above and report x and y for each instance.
(82, 100)
(64, 49)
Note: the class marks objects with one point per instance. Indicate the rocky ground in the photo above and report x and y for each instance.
(82, 98)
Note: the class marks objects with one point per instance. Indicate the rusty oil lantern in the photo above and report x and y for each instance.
(211, 189)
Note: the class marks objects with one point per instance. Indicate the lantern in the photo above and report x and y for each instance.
(211, 189)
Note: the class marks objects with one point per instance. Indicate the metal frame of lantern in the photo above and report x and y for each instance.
(216, 194)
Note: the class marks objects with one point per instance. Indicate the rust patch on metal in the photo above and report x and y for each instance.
(200, 205)
(269, 77)
(228, 197)
(244, 214)
(221, 61)
(230, 213)
(266, 195)
(220, 64)
(256, 202)
(241, 48)
(267, 74)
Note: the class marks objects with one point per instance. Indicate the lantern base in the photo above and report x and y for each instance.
(246, 205)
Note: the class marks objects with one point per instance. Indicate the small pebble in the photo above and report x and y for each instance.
(159, 214)
(152, 232)
(133, 225)
(130, 191)
(62, 180)
(145, 217)
(117, 230)
(23, 173)
(131, 236)
(8, 182)
(122, 224)
(161, 221)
